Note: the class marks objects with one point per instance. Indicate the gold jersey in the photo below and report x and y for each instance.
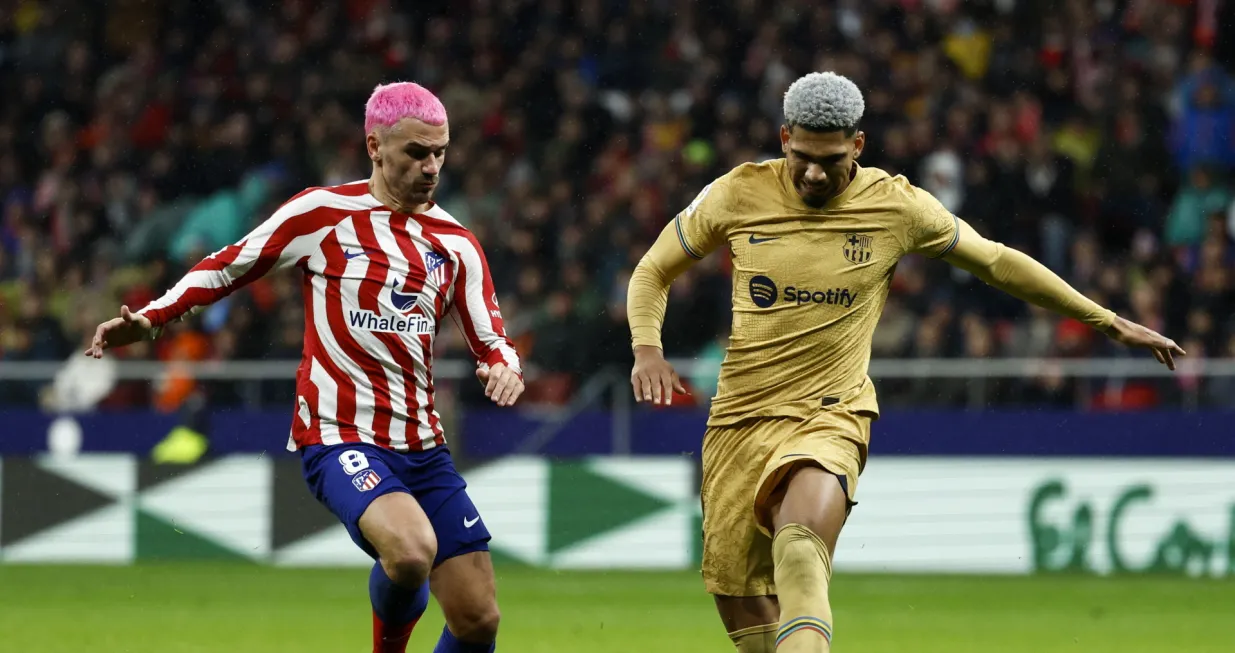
(809, 284)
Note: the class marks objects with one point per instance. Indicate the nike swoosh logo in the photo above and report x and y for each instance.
(349, 255)
(756, 241)
(468, 523)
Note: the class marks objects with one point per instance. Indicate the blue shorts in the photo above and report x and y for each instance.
(346, 478)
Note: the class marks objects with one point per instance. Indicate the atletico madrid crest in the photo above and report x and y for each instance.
(857, 248)
(366, 480)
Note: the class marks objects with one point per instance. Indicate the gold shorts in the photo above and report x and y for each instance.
(745, 463)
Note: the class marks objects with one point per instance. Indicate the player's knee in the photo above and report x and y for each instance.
(410, 560)
(476, 623)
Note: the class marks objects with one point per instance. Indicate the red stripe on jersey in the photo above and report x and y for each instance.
(442, 305)
(372, 368)
(315, 349)
(416, 278)
(486, 352)
(435, 424)
(370, 293)
(480, 350)
(355, 189)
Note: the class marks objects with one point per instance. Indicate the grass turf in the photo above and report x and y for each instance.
(194, 608)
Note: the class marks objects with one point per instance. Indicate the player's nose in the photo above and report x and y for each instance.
(815, 175)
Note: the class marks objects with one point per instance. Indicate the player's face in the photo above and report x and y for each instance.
(409, 156)
(820, 162)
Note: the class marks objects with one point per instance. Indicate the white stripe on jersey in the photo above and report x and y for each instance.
(327, 403)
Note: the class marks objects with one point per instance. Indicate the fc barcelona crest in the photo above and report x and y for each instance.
(857, 248)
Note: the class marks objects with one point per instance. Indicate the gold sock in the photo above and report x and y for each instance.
(756, 639)
(803, 570)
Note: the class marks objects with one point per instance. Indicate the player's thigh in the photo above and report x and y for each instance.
(399, 530)
(812, 477)
(737, 557)
(359, 483)
(438, 487)
(465, 588)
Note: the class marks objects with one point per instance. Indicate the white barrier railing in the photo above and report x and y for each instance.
(453, 369)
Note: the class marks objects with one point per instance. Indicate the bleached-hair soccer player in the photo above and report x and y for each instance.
(813, 239)
(382, 267)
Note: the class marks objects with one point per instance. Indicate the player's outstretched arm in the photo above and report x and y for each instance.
(1024, 278)
(653, 379)
(289, 236)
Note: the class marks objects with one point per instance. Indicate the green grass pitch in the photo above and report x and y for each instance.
(194, 608)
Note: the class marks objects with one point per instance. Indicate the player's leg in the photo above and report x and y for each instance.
(360, 485)
(465, 589)
(462, 577)
(807, 523)
(804, 497)
(399, 532)
(750, 621)
(737, 557)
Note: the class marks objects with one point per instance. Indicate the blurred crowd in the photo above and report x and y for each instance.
(1096, 135)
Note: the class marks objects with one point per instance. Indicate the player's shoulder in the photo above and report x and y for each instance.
(740, 188)
(754, 173)
(877, 187)
(454, 235)
(352, 196)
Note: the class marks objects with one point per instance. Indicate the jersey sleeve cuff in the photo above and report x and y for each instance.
(956, 237)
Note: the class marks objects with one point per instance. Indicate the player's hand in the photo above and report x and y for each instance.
(119, 331)
(653, 378)
(502, 384)
(1134, 335)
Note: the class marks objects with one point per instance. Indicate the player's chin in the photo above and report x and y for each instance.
(423, 194)
(815, 200)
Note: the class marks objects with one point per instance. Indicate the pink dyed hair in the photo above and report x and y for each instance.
(391, 103)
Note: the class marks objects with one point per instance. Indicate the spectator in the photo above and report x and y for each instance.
(1202, 196)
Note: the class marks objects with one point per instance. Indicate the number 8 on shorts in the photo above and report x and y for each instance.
(353, 461)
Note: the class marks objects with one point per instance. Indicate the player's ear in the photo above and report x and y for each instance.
(784, 139)
(373, 146)
(859, 143)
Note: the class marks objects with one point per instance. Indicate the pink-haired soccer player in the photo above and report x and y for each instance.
(383, 266)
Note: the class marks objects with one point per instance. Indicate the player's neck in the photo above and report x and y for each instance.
(377, 188)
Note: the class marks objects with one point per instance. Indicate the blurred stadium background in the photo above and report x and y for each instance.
(1031, 487)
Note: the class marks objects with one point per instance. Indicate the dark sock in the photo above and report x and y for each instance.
(449, 644)
(396, 609)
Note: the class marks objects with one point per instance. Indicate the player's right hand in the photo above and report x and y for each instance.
(1131, 334)
(119, 331)
(654, 379)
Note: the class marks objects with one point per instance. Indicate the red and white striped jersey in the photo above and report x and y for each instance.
(377, 286)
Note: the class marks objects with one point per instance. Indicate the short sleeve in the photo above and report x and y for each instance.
(701, 226)
(930, 228)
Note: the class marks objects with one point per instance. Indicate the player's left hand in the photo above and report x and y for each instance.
(1134, 335)
(502, 384)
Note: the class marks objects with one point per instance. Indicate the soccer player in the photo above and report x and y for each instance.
(383, 266)
(814, 239)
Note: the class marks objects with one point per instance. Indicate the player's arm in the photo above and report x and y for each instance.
(289, 236)
(1023, 277)
(480, 320)
(934, 231)
(689, 237)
